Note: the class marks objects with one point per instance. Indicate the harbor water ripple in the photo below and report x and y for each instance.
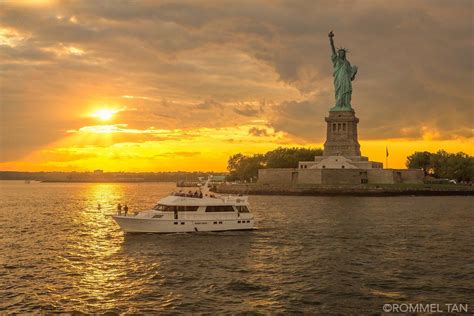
(334, 255)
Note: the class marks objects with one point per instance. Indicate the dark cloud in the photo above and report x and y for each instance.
(208, 104)
(248, 110)
(259, 132)
(414, 59)
(303, 119)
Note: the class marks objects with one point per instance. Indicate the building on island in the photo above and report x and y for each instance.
(342, 162)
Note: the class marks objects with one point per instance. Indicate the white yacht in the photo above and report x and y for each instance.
(181, 212)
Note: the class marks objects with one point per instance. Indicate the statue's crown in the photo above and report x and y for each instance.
(342, 49)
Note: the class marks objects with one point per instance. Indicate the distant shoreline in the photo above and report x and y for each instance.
(87, 181)
(99, 176)
(349, 190)
(111, 181)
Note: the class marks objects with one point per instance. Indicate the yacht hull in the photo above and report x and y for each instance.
(142, 225)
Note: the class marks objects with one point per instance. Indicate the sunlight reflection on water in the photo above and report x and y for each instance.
(61, 253)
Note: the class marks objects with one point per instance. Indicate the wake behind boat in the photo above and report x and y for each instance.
(181, 212)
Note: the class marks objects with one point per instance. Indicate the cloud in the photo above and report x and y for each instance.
(302, 119)
(248, 110)
(209, 64)
(259, 132)
(208, 104)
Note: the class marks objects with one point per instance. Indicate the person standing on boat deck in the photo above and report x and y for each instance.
(119, 209)
(175, 210)
(125, 209)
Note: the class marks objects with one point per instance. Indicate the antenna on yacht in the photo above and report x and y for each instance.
(248, 190)
(205, 186)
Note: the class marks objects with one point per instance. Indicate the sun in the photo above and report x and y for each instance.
(104, 114)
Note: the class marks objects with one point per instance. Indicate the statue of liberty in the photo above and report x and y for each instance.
(343, 74)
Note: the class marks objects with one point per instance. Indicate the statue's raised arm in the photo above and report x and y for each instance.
(331, 40)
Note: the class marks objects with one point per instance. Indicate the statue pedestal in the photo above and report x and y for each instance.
(341, 137)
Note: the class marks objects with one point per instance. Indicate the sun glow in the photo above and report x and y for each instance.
(104, 114)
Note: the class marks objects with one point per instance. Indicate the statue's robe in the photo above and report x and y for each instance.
(343, 74)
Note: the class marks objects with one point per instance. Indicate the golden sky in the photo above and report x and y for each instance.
(168, 85)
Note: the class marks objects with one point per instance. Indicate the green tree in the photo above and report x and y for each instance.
(419, 160)
(458, 166)
(243, 167)
(234, 162)
(439, 164)
(289, 157)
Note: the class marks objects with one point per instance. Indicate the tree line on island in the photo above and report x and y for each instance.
(245, 168)
(458, 166)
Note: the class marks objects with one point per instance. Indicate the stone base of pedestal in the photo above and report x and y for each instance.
(341, 139)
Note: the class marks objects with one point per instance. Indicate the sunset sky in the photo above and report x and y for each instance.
(182, 85)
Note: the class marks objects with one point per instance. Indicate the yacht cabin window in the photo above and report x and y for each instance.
(174, 208)
(220, 208)
(242, 209)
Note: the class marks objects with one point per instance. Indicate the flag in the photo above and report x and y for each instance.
(386, 151)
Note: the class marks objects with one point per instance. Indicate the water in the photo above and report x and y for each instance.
(309, 254)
